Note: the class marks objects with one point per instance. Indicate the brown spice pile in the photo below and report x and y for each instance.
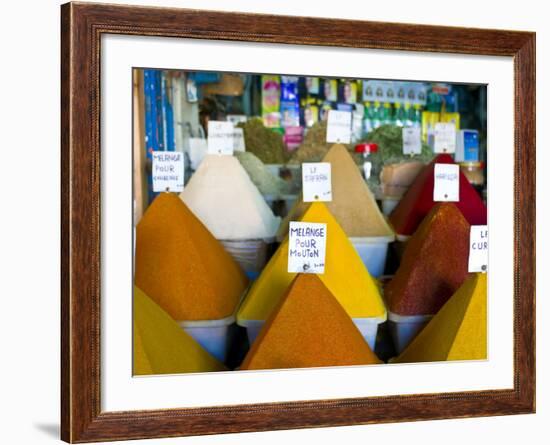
(434, 265)
(265, 143)
(353, 204)
(315, 146)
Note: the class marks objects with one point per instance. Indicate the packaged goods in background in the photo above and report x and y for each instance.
(467, 146)
(271, 96)
(290, 105)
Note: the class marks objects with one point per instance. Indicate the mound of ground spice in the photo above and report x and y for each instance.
(434, 264)
(182, 267)
(418, 200)
(315, 147)
(267, 182)
(345, 275)
(353, 205)
(308, 328)
(226, 201)
(264, 142)
(161, 346)
(458, 331)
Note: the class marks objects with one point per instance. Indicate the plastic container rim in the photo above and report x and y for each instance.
(403, 238)
(245, 323)
(392, 316)
(372, 239)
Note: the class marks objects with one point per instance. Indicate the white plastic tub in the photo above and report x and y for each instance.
(270, 200)
(373, 252)
(251, 254)
(388, 204)
(367, 326)
(403, 328)
(215, 336)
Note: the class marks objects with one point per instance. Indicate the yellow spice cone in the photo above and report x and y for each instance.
(353, 205)
(345, 276)
(161, 346)
(459, 329)
(308, 328)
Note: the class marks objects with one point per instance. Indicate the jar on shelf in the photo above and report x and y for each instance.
(366, 149)
(475, 173)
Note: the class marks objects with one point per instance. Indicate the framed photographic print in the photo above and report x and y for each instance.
(275, 222)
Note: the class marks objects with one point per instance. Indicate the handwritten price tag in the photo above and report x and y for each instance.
(339, 127)
(316, 182)
(307, 247)
(444, 138)
(446, 182)
(479, 249)
(220, 138)
(411, 141)
(168, 171)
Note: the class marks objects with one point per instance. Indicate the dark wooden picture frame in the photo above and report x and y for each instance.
(82, 26)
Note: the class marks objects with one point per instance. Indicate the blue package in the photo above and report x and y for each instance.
(467, 147)
(290, 105)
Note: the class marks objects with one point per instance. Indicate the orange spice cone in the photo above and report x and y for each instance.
(182, 267)
(308, 328)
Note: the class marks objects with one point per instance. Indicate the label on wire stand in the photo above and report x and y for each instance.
(446, 182)
(168, 171)
(316, 182)
(307, 247)
(339, 127)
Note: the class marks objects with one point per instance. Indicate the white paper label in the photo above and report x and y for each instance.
(446, 182)
(220, 138)
(167, 171)
(339, 126)
(477, 261)
(307, 247)
(238, 140)
(316, 182)
(198, 149)
(411, 141)
(444, 138)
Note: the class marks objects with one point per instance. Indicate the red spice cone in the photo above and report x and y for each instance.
(418, 201)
